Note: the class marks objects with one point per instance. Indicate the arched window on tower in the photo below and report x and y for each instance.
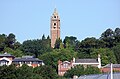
(54, 24)
(54, 16)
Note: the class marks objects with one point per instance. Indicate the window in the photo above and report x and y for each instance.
(65, 65)
(54, 24)
(54, 16)
(3, 63)
(28, 62)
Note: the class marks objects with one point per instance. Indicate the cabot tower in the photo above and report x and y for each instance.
(54, 27)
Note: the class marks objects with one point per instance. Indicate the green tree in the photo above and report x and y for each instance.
(43, 37)
(81, 70)
(107, 55)
(17, 52)
(10, 41)
(117, 35)
(8, 72)
(116, 50)
(66, 54)
(77, 70)
(70, 42)
(85, 47)
(58, 43)
(92, 70)
(36, 47)
(17, 45)
(50, 59)
(24, 72)
(2, 41)
(108, 37)
(47, 72)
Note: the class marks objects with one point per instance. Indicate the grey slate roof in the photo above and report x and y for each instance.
(100, 76)
(86, 61)
(4, 60)
(113, 65)
(26, 60)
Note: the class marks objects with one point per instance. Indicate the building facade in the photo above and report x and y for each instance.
(8, 59)
(29, 60)
(54, 28)
(66, 65)
(63, 67)
(107, 68)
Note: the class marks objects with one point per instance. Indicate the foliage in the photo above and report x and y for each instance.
(36, 47)
(116, 50)
(47, 72)
(70, 42)
(107, 55)
(16, 53)
(8, 72)
(58, 44)
(77, 70)
(117, 35)
(108, 37)
(26, 72)
(81, 70)
(52, 58)
(92, 70)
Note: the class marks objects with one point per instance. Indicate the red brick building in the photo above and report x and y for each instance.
(116, 67)
(63, 67)
(66, 65)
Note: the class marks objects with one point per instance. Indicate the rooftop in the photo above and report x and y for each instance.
(86, 61)
(113, 65)
(100, 76)
(27, 59)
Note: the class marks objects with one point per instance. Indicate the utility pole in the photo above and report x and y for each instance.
(111, 71)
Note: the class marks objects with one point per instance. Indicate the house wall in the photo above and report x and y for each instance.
(108, 69)
(63, 67)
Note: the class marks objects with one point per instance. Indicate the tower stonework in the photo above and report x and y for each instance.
(54, 28)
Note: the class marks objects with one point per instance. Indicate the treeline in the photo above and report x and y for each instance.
(42, 72)
(107, 45)
(26, 72)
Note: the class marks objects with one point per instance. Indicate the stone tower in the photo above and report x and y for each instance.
(55, 27)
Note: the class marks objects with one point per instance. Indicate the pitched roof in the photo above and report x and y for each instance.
(113, 65)
(86, 61)
(100, 76)
(66, 62)
(4, 60)
(27, 59)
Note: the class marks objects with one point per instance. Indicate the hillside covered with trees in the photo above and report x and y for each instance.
(107, 45)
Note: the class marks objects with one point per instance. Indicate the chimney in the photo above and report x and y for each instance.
(99, 61)
(73, 60)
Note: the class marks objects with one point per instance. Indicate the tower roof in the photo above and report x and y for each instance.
(55, 12)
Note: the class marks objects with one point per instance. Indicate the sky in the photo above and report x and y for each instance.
(30, 19)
